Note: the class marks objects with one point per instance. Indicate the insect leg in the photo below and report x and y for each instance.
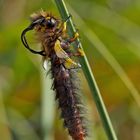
(79, 51)
(24, 41)
(76, 35)
(63, 25)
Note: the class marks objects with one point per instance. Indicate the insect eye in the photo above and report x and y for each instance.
(51, 22)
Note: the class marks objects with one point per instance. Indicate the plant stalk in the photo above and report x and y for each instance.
(88, 74)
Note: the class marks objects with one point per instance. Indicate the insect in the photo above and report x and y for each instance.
(56, 44)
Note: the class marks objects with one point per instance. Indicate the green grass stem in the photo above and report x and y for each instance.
(89, 76)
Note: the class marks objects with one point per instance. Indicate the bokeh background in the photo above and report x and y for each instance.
(110, 33)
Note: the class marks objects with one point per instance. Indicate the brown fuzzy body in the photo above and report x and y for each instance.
(66, 92)
(63, 79)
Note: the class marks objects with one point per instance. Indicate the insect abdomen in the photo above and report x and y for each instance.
(68, 101)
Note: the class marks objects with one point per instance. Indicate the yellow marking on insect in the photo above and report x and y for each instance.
(64, 26)
(81, 52)
(69, 63)
(76, 35)
(43, 13)
(59, 51)
(48, 17)
(59, 25)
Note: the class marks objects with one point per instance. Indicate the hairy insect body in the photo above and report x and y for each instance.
(56, 49)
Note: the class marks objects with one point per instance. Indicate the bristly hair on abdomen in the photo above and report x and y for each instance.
(67, 94)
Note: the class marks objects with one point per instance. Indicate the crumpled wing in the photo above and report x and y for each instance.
(59, 51)
(69, 63)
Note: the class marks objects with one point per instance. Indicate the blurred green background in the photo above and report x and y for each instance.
(110, 33)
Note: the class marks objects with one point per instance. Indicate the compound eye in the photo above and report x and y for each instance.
(51, 22)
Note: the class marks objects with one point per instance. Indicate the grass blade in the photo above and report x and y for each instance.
(89, 76)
